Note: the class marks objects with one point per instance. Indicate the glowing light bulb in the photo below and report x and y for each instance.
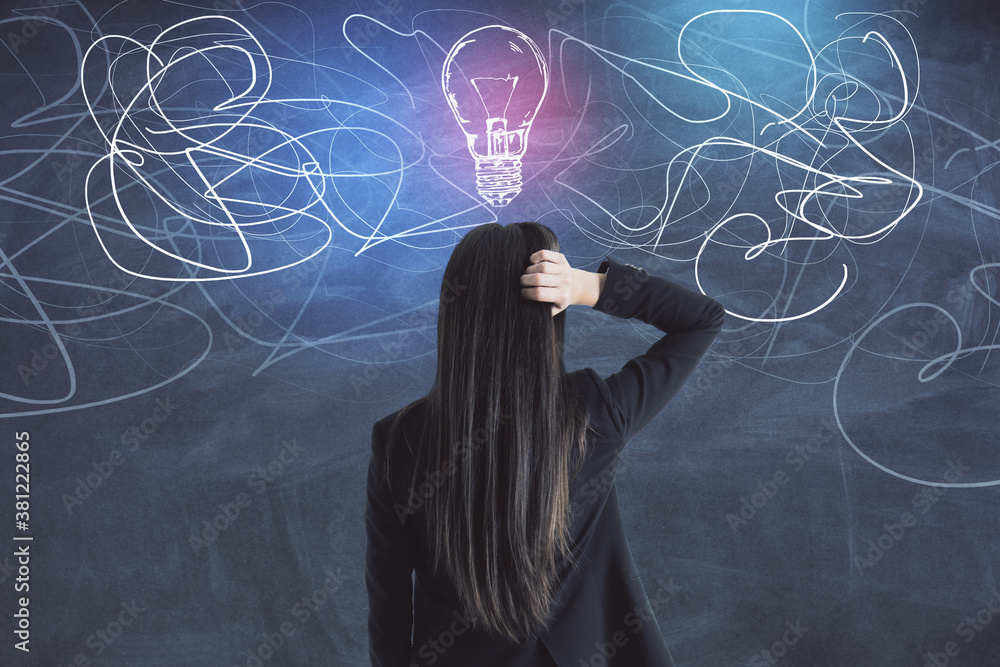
(495, 79)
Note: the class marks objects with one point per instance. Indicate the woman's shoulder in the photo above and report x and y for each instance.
(407, 413)
(406, 420)
(397, 445)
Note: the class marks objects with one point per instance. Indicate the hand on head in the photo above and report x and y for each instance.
(551, 279)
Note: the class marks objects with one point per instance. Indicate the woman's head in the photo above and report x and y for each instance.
(481, 306)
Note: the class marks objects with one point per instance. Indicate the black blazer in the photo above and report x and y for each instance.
(603, 615)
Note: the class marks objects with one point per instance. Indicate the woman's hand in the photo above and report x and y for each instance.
(551, 279)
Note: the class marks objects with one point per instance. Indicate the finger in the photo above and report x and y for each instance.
(539, 294)
(545, 255)
(540, 280)
(544, 267)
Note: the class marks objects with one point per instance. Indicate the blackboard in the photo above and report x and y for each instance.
(222, 234)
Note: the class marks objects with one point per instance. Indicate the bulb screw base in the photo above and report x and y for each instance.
(498, 181)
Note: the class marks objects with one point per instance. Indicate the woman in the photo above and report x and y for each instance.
(497, 488)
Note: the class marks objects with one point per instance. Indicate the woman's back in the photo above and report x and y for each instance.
(597, 609)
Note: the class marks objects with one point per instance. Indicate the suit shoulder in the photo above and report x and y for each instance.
(410, 418)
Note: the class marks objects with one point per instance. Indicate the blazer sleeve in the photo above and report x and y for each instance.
(388, 567)
(690, 321)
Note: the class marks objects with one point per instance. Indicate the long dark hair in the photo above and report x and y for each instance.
(504, 435)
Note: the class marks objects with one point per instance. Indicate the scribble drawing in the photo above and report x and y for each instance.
(213, 190)
(809, 135)
(778, 163)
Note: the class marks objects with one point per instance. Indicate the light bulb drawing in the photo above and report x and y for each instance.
(495, 80)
